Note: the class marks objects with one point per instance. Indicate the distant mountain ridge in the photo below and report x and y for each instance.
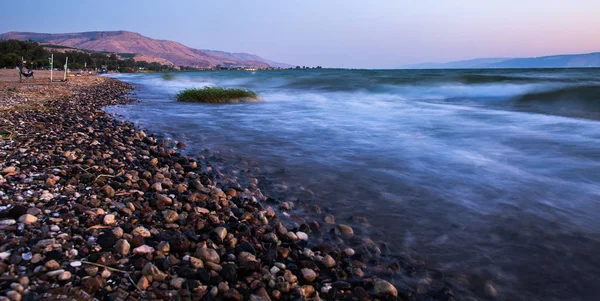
(552, 61)
(131, 42)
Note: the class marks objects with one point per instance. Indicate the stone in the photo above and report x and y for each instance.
(106, 274)
(143, 283)
(64, 276)
(91, 270)
(346, 231)
(141, 231)
(10, 169)
(17, 287)
(221, 232)
(232, 295)
(122, 247)
(289, 276)
(301, 235)
(170, 216)
(28, 219)
(383, 288)
(75, 264)
(108, 191)
(328, 261)
(164, 247)
(151, 270)
(52, 265)
(308, 275)
(490, 290)
(13, 295)
(307, 291)
(164, 199)
(143, 249)
(177, 282)
(109, 219)
(92, 285)
(207, 254)
(118, 232)
(229, 273)
(196, 263)
(330, 220)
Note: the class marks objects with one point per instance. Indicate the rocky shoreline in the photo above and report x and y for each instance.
(95, 208)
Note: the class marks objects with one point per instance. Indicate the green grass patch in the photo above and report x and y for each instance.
(217, 95)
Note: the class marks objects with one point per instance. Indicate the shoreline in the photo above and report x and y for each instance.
(95, 204)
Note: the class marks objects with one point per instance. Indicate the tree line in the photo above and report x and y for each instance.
(37, 57)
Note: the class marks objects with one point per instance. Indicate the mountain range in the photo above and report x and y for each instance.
(553, 61)
(145, 47)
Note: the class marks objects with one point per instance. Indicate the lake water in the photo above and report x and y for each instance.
(490, 176)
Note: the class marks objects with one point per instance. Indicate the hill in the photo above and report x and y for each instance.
(131, 42)
(553, 61)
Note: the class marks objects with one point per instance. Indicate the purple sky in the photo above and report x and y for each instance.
(361, 34)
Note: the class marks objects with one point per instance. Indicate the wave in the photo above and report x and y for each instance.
(576, 101)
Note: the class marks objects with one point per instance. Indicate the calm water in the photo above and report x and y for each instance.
(492, 176)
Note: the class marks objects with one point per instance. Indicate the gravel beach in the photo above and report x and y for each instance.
(95, 208)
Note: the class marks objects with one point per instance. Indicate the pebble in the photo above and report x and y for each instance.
(328, 261)
(170, 216)
(13, 295)
(221, 232)
(309, 275)
(52, 265)
(28, 219)
(75, 264)
(177, 282)
(64, 276)
(122, 247)
(383, 289)
(179, 225)
(301, 235)
(207, 254)
(109, 219)
(144, 249)
(346, 231)
(141, 231)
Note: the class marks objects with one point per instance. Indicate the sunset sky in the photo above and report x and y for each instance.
(361, 34)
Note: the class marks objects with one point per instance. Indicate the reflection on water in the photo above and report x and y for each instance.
(490, 176)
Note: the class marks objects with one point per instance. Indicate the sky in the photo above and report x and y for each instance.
(333, 33)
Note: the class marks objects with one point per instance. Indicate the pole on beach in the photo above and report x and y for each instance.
(51, 66)
(66, 63)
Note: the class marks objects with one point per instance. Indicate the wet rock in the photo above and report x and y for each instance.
(309, 275)
(490, 290)
(328, 261)
(383, 288)
(346, 231)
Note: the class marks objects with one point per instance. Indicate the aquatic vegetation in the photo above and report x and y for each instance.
(217, 95)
